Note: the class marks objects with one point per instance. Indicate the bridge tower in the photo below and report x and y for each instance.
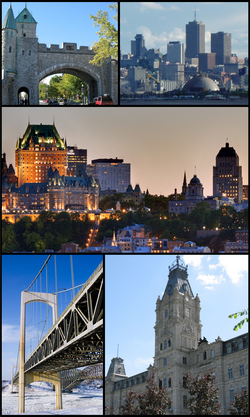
(28, 378)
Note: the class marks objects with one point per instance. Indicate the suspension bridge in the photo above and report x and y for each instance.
(75, 339)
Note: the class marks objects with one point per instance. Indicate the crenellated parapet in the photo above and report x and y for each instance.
(66, 47)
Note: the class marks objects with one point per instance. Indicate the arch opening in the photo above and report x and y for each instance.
(23, 96)
(92, 80)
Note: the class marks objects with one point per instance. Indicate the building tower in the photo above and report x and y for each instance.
(221, 45)
(40, 148)
(9, 49)
(195, 39)
(177, 332)
(227, 175)
(184, 186)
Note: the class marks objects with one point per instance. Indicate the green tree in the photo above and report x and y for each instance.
(235, 315)
(240, 405)
(203, 394)
(9, 240)
(54, 89)
(43, 91)
(107, 46)
(153, 401)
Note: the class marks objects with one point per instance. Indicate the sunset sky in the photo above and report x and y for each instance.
(160, 143)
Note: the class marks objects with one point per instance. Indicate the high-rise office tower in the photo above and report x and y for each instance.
(221, 45)
(195, 39)
(138, 46)
(174, 52)
(227, 174)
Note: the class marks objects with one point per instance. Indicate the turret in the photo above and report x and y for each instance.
(9, 35)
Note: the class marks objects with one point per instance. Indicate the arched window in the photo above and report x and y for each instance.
(165, 344)
(169, 382)
(166, 313)
(205, 355)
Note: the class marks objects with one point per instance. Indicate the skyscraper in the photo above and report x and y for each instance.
(227, 174)
(138, 46)
(195, 39)
(221, 45)
(174, 52)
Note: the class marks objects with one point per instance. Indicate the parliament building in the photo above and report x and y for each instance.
(180, 349)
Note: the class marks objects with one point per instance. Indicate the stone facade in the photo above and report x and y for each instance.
(25, 62)
(180, 349)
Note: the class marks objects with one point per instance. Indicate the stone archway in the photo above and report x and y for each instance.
(92, 79)
(20, 100)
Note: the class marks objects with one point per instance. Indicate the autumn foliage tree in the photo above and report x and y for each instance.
(151, 402)
(240, 405)
(203, 394)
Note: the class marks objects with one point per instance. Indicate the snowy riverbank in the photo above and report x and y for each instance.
(41, 399)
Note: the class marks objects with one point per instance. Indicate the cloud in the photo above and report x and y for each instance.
(207, 36)
(210, 279)
(151, 5)
(123, 20)
(234, 266)
(193, 260)
(177, 34)
(212, 266)
(209, 288)
(10, 333)
(151, 41)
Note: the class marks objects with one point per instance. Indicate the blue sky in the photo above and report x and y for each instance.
(18, 272)
(161, 22)
(133, 283)
(59, 22)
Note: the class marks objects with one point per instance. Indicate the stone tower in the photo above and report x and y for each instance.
(19, 56)
(177, 332)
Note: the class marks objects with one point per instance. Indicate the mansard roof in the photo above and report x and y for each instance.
(25, 17)
(178, 276)
(37, 132)
(9, 21)
(34, 188)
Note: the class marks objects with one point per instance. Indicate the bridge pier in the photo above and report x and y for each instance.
(26, 379)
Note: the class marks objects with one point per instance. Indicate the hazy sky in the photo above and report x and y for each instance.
(133, 284)
(16, 275)
(160, 143)
(162, 22)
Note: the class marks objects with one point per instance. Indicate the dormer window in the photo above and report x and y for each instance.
(24, 35)
(25, 16)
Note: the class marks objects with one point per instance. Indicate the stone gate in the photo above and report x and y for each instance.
(25, 62)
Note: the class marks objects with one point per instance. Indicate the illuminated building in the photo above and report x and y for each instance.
(110, 173)
(76, 157)
(40, 148)
(227, 175)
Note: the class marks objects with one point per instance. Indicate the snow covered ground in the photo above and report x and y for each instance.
(41, 400)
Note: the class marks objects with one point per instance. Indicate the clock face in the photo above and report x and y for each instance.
(187, 298)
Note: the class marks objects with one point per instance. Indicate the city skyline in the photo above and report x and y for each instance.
(162, 22)
(159, 143)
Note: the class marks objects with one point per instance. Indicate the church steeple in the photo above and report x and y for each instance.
(184, 186)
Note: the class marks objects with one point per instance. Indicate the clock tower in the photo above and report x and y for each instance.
(177, 332)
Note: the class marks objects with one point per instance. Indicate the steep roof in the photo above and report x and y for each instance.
(36, 132)
(227, 151)
(9, 21)
(178, 276)
(25, 17)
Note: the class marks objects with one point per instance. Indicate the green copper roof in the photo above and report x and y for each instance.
(9, 21)
(25, 17)
(37, 132)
